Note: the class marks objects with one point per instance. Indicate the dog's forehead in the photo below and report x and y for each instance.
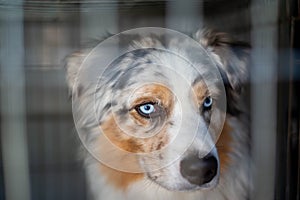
(171, 65)
(155, 66)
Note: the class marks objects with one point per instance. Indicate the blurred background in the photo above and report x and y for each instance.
(38, 143)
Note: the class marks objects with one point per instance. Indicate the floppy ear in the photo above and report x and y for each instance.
(232, 59)
(72, 65)
(74, 61)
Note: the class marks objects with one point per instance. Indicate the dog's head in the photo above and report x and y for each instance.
(161, 107)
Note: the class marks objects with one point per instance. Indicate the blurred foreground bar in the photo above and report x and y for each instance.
(184, 17)
(264, 15)
(13, 123)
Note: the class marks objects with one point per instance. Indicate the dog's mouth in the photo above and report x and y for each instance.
(187, 186)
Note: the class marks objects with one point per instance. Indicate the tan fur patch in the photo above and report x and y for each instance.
(201, 92)
(224, 146)
(148, 93)
(114, 134)
(131, 144)
(155, 93)
(139, 119)
(120, 179)
(112, 156)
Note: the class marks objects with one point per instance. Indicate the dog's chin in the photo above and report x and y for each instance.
(186, 187)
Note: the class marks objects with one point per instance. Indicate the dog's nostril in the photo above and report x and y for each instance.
(199, 171)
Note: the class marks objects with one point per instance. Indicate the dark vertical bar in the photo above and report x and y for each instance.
(294, 118)
(283, 93)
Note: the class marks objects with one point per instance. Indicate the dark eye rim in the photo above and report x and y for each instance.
(156, 112)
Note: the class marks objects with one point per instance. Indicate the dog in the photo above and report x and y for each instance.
(166, 118)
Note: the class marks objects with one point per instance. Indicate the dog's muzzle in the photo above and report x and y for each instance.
(199, 171)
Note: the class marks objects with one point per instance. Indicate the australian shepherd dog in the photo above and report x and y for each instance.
(161, 116)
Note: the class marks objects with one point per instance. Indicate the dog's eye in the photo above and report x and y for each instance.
(207, 103)
(147, 109)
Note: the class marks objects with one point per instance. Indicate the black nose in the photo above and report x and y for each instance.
(197, 170)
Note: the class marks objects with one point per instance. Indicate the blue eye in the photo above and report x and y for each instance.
(146, 109)
(207, 103)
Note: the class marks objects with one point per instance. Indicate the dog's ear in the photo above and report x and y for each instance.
(72, 65)
(232, 59)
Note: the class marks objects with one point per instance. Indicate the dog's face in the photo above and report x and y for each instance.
(163, 111)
